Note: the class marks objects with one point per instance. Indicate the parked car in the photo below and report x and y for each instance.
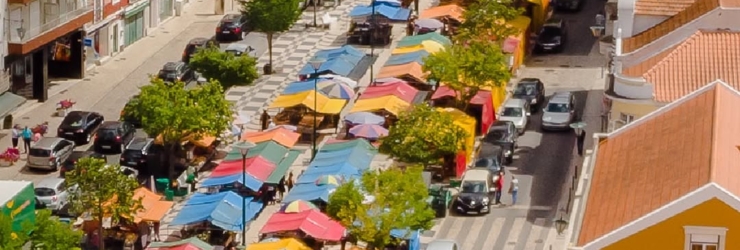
(176, 71)
(75, 156)
(49, 153)
(113, 136)
(80, 126)
(560, 112)
(568, 5)
(532, 90)
(490, 157)
(53, 193)
(504, 134)
(443, 244)
(476, 192)
(239, 49)
(516, 111)
(232, 27)
(129, 117)
(551, 37)
(194, 45)
(136, 153)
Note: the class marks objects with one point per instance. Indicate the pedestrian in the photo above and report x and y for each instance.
(499, 187)
(289, 182)
(265, 119)
(27, 135)
(16, 132)
(579, 142)
(281, 188)
(514, 189)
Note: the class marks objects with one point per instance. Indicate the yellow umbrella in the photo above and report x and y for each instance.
(430, 46)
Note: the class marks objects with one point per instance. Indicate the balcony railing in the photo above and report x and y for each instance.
(63, 18)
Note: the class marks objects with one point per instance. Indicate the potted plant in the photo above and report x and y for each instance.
(9, 157)
(63, 107)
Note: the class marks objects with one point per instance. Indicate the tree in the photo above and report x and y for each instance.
(271, 17)
(400, 203)
(50, 233)
(487, 20)
(468, 68)
(424, 136)
(170, 111)
(228, 69)
(10, 239)
(101, 190)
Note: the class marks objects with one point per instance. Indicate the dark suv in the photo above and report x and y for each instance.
(136, 153)
(194, 45)
(112, 136)
(531, 90)
(232, 27)
(79, 126)
(551, 37)
(71, 161)
(504, 134)
(176, 71)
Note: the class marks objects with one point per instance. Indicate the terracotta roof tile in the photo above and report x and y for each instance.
(702, 58)
(663, 157)
(661, 7)
(695, 10)
(641, 68)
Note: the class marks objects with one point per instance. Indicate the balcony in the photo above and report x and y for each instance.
(55, 26)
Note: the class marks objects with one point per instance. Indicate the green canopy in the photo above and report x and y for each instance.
(347, 144)
(193, 241)
(270, 150)
(283, 167)
(416, 40)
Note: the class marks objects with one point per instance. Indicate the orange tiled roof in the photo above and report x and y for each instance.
(662, 157)
(661, 7)
(703, 57)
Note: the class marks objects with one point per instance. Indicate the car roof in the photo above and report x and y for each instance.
(442, 244)
(561, 97)
(47, 142)
(139, 143)
(514, 103)
(169, 66)
(49, 182)
(110, 124)
(529, 81)
(476, 175)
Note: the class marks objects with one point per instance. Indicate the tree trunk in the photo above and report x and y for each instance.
(170, 152)
(101, 240)
(416, 7)
(269, 46)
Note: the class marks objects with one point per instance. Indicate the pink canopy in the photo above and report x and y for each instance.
(483, 98)
(399, 89)
(312, 222)
(257, 166)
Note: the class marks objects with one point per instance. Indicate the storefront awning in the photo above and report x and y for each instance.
(323, 104)
(9, 102)
(392, 104)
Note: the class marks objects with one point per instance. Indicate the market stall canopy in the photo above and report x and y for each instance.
(198, 140)
(223, 210)
(283, 244)
(340, 61)
(358, 157)
(192, 243)
(414, 237)
(429, 46)
(364, 118)
(325, 104)
(483, 98)
(282, 136)
(369, 131)
(401, 90)
(417, 57)
(312, 222)
(308, 85)
(388, 80)
(283, 167)
(270, 150)
(346, 144)
(297, 206)
(417, 39)
(343, 170)
(451, 11)
(256, 166)
(388, 10)
(153, 208)
(246, 179)
(309, 192)
(413, 70)
(391, 104)
(351, 83)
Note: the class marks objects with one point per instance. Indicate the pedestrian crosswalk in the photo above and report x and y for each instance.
(496, 232)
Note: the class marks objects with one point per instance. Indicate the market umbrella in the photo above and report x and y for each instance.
(364, 118)
(336, 89)
(370, 131)
(346, 80)
(297, 206)
(429, 23)
(328, 180)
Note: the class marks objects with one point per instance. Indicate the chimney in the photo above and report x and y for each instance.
(618, 43)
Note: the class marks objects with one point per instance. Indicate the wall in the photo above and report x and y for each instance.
(632, 87)
(626, 13)
(631, 108)
(112, 35)
(669, 234)
(644, 22)
(113, 6)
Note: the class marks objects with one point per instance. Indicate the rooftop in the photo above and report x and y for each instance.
(661, 7)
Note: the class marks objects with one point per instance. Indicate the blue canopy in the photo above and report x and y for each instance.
(309, 192)
(252, 182)
(345, 50)
(357, 157)
(399, 59)
(223, 210)
(340, 61)
(412, 236)
(390, 11)
(345, 170)
(298, 87)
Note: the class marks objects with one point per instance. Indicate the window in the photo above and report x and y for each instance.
(704, 238)
(626, 118)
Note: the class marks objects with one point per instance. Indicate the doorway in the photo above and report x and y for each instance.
(115, 38)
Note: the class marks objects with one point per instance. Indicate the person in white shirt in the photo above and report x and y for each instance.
(514, 189)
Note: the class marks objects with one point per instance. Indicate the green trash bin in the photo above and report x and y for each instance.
(169, 195)
(162, 184)
(455, 182)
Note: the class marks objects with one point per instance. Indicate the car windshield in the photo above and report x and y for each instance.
(74, 120)
(557, 108)
(515, 112)
(550, 32)
(42, 191)
(107, 134)
(525, 89)
(474, 187)
(495, 135)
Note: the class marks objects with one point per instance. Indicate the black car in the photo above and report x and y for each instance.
(195, 44)
(568, 5)
(504, 134)
(113, 136)
(71, 161)
(532, 90)
(476, 194)
(552, 37)
(80, 126)
(137, 152)
(176, 71)
(491, 157)
(129, 116)
(232, 27)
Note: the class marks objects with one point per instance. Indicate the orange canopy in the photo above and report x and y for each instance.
(281, 135)
(204, 141)
(153, 207)
(412, 69)
(450, 11)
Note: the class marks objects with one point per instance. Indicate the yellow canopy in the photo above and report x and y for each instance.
(286, 244)
(430, 46)
(325, 104)
(390, 103)
(203, 141)
(468, 124)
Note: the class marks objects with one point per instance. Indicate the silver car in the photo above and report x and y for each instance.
(53, 193)
(49, 153)
(559, 112)
(516, 111)
(443, 244)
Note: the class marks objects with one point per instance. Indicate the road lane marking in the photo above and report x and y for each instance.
(490, 240)
(534, 234)
(457, 223)
(516, 229)
(472, 231)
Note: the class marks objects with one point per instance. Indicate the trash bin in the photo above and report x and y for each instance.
(455, 182)
(162, 184)
(169, 195)
(267, 69)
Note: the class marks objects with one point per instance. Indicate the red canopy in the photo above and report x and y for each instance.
(483, 98)
(312, 222)
(257, 166)
(402, 90)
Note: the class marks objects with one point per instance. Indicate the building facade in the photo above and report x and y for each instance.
(104, 34)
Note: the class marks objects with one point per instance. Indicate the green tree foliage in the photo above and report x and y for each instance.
(423, 135)
(101, 190)
(400, 203)
(466, 69)
(487, 20)
(172, 112)
(271, 17)
(52, 234)
(9, 239)
(228, 69)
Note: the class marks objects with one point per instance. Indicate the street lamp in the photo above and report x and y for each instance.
(372, 41)
(316, 64)
(560, 225)
(314, 12)
(244, 147)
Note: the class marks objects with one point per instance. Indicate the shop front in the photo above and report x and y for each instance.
(102, 40)
(134, 22)
(166, 8)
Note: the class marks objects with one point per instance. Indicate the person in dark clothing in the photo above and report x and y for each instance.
(289, 182)
(579, 142)
(264, 119)
(281, 188)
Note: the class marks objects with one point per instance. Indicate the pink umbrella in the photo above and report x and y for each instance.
(370, 131)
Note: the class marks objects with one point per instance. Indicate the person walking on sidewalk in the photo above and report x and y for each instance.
(499, 187)
(289, 181)
(27, 135)
(514, 189)
(16, 133)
